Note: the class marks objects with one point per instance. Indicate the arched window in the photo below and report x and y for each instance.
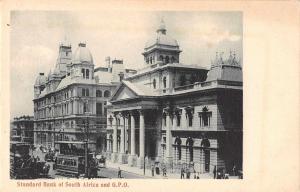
(165, 82)
(178, 118)
(172, 59)
(182, 80)
(87, 76)
(167, 59)
(85, 107)
(106, 93)
(154, 83)
(98, 93)
(189, 145)
(161, 58)
(110, 143)
(83, 73)
(193, 78)
(204, 117)
(118, 142)
(205, 144)
(164, 119)
(178, 147)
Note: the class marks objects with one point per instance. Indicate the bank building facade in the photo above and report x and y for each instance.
(70, 102)
(175, 115)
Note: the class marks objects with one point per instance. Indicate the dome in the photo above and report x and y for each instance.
(82, 54)
(161, 37)
(40, 80)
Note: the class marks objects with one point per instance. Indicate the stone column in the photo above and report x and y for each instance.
(126, 133)
(115, 138)
(183, 124)
(132, 140)
(122, 139)
(168, 138)
(142, 140)
(107, 143)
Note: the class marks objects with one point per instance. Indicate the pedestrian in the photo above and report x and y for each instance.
(152, 170)
(164, 171)
(215, 172)
(119, 173)
(182, 173)
(234, 170)
(188, 173)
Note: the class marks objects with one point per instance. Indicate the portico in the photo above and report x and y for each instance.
(135, 135)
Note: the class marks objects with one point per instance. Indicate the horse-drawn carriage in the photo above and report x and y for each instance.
(23, 166)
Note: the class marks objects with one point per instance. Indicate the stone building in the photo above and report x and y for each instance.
(73, 97)
(177, 115)
(22, 129)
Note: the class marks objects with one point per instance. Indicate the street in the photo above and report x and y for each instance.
(102, 173)
(113, 173)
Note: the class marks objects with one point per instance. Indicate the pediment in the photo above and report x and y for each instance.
(123, 92)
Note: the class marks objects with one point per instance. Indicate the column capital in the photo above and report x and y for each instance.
(190, 109)
(168, 111)
(132, 113)
(124, 114)
(117, 114)
(141, 112)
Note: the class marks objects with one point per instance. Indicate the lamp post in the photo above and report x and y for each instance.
(86, 143)
(144, 164)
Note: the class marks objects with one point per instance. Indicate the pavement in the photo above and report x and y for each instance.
(148, 173)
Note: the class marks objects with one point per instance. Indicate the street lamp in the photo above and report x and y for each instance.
(86, 142)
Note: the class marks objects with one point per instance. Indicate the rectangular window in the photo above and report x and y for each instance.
(99, 108)
(204, 118)
(83, 73)
(83, 92)
(87, 92)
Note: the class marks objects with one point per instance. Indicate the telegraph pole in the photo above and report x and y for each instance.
(86, 143)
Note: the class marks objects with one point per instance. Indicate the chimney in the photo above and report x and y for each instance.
(121, 74)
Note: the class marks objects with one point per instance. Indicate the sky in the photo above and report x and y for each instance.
(35, 36)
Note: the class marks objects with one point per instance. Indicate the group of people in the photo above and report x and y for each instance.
(186, 173)
(31, 167)
(220, 174)
(163, 169)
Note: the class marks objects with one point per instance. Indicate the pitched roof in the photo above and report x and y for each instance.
(68, 81)
(137, 89)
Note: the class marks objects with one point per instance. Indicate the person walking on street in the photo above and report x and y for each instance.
(164, 171)
(188, 173)
(152, 170)
(215, 172)
(182, 173)
(119, 173)
(234, 170)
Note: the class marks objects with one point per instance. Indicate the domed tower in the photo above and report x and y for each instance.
(161, 48)
(82, 63)
(39, 85)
